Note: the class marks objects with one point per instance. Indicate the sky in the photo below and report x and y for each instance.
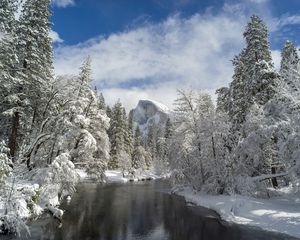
(147, 49)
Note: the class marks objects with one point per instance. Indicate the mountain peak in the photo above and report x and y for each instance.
(149, 113)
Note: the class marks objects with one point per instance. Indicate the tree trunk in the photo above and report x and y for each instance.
(52, 151)
(201, 164)
(33, 118)
(274, 179)
(13, 136)
(213, 147)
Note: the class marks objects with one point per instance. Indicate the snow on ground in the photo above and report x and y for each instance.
(82, 174)
(280, 214)
(117, 176)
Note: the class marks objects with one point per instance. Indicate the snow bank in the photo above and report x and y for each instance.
(82, 174)
(117, 176)
(280, 214)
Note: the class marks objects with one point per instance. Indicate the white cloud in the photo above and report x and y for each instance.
(63, 3)
(55, 37)
(289, 20)
(189, 53)
(152, 61)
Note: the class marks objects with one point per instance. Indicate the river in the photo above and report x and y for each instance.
(138, 211)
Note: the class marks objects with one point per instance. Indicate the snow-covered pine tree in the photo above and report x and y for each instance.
(140, 156)
(151, 141)
(254, 78)
(118, 135)
(161, 163)
(102, 104)
(238, 101)
(255, 83)
(168, 129)
(128, 133)
(36, 60)
(34, 74)
(138, 139)
(223, 99)
(10, 103)
(289, 68)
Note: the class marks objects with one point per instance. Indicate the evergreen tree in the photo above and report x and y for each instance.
(162, 149)
(223, 99)
(289, 68)
(118, 135)
(35, 56)
(9, 79)
(102, 104)
(254, 79)
(238, 100)
(30, 92)
(168, 129)
(151, 141)
(128, 134)
(140, 156)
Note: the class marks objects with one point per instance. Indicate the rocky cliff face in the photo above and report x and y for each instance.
(149, 113)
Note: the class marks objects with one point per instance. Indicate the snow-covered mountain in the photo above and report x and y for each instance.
(148, 113)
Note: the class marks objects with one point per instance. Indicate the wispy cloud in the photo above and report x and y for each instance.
(55, 37)
(193, 52)
(63, 3)
(289, 20)
(154, 60)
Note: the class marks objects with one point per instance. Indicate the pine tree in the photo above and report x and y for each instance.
(289, 68)
(7, 18)
(128, 134)
(238, 104)
(30, 91)
(118, 135)
(161, 163)
(137, 137)
(102, 104)
(168, 129)
(151, 141)
(254, 79)
(140, 156)
(9, 81)
(35, 56)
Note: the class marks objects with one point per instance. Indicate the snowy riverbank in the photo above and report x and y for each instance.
(280, 214)
(117, 176)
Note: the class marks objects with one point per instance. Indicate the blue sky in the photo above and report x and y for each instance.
(150, 48)
(103, 17)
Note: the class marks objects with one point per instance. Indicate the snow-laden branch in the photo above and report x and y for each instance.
(268, 176)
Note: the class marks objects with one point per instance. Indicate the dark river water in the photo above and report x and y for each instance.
(138, 211)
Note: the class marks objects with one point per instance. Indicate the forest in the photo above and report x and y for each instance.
(246, 143)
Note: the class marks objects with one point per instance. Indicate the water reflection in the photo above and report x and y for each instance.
(138, 211)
